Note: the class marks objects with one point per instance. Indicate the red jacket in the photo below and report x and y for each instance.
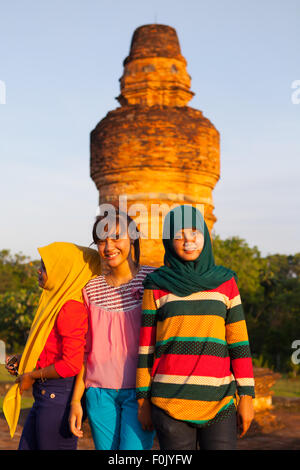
(65, 344)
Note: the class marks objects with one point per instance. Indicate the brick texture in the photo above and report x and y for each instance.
(154, 148)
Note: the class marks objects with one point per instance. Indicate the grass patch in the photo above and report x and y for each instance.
(5, 376)
(26, 402)
(287, 387)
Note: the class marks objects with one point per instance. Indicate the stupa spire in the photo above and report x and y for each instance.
(155, 149)
(155, 71)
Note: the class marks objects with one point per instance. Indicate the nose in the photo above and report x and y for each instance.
(108, 244)
(190, 236)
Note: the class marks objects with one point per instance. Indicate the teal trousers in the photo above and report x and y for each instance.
(112, 415)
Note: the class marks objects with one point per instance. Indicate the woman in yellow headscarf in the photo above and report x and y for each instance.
(53, 354)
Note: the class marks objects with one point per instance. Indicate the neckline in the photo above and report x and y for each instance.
(121, 286)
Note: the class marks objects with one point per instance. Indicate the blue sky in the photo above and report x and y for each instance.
(61, 62)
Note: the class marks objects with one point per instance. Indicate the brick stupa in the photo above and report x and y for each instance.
(154, 148)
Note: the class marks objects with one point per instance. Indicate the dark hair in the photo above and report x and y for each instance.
(121, 217)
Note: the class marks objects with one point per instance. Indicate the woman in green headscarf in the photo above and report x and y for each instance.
(194, 351)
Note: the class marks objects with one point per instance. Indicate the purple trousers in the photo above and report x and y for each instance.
(47, 426)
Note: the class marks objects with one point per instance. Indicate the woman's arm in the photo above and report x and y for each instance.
(240, 358)
(76, 413)
(146, 359)
(71, 326)
(27, 379)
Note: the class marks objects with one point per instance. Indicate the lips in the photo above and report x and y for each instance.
(190, 247)
(112, 255)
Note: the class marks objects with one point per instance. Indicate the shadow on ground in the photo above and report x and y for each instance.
(285, 436)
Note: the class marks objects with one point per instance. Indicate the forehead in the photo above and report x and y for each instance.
(111, 228)
(188, 231)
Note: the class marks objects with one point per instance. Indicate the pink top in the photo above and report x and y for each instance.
(113, 333)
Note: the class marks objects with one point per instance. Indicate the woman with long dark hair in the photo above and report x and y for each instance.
(113, 301)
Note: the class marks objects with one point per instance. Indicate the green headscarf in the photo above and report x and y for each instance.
(180, 277)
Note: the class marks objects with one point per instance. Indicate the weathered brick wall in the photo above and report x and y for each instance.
(155, 148)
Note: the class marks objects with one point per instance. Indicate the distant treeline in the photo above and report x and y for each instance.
(269, 287)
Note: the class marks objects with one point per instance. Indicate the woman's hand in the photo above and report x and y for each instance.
(25, 381)
(144, 414)
(245, 414)
(12, 369)
(75, 419)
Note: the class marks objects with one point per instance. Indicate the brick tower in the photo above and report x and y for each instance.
(154, 149)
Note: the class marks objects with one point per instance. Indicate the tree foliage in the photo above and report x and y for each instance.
(270, 291)
(269, 287)
(19, 296)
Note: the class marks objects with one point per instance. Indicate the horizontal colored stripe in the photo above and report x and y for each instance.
(207, 347)
(145, 361)
(148, 311)
(242, 367)
(196, 380)
(246, 382)
(222, 413)
(190, 339)
(241, 351)
(192, 392)
(235, 314)
(190, 410)
(148, 319)
(207, 325)
(147, 338)
(246, 391)
(203, 295)
(236, 332)
(158, 293)
(235, 301)
(228, 288)
(236, 345)
(142, 389)
(192, 365)
(140, 393)
(143, 379)
(146, 349)
(193, 307)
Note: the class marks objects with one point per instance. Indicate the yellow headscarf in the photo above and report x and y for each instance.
(69, 267)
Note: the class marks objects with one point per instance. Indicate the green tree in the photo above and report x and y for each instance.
(17, 272)
(270, 291)
(17, 310)
(281, 308)
(19, 295)
(235, 253)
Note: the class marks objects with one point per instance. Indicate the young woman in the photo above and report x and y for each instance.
(194, 351)
(113, 301)
(54, 351)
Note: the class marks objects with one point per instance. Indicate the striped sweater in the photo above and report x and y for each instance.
(194, 353)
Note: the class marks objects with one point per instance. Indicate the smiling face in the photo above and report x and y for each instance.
(42, 275)
(115, 249)
(188, 243)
